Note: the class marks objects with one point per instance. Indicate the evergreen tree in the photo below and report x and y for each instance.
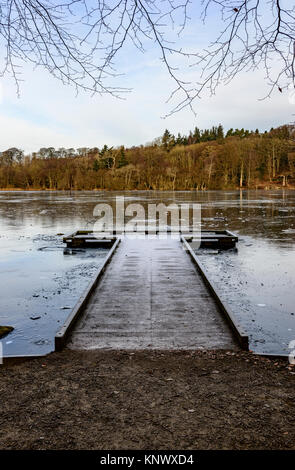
(122, 159)
(220, 132)
(168, 140)
(96, 165)
(179, 139)
(197, 135)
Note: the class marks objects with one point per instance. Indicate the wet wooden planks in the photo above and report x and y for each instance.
(151, 296)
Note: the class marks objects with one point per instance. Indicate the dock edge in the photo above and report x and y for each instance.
(63, 333)
(238, 330)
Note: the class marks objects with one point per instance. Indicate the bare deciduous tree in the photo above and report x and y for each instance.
(77, 41)
(256, 32)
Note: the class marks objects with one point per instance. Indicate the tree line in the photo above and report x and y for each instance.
(203, 159)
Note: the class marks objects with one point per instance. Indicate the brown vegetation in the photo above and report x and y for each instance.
(202, 160)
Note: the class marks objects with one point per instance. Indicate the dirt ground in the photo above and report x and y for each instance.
(148, 400)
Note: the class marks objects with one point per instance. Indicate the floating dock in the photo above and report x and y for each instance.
(150, 297)
(88, 239)
(218, 239)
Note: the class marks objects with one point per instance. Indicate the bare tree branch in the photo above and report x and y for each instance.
(257, 33)
(78, 41)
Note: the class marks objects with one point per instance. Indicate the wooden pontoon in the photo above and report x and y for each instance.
(88, 239)
(218, 239)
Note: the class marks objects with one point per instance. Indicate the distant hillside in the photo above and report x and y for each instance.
(202, 160)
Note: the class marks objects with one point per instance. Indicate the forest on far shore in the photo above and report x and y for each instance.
(204, 159)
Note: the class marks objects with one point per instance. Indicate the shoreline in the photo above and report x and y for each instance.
(156, 399)
(267, 188)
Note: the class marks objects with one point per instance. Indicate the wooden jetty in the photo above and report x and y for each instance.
(88, 239)
(237, 328)
(219, 239)
(150, 296)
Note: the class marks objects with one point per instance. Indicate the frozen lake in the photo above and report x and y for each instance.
(40, 281)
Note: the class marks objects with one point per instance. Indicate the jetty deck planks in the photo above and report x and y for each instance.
(151, 296)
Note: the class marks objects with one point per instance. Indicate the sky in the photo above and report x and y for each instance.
(50, 114)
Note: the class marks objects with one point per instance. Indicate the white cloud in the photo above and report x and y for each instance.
(49, 114)
(20, 133)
